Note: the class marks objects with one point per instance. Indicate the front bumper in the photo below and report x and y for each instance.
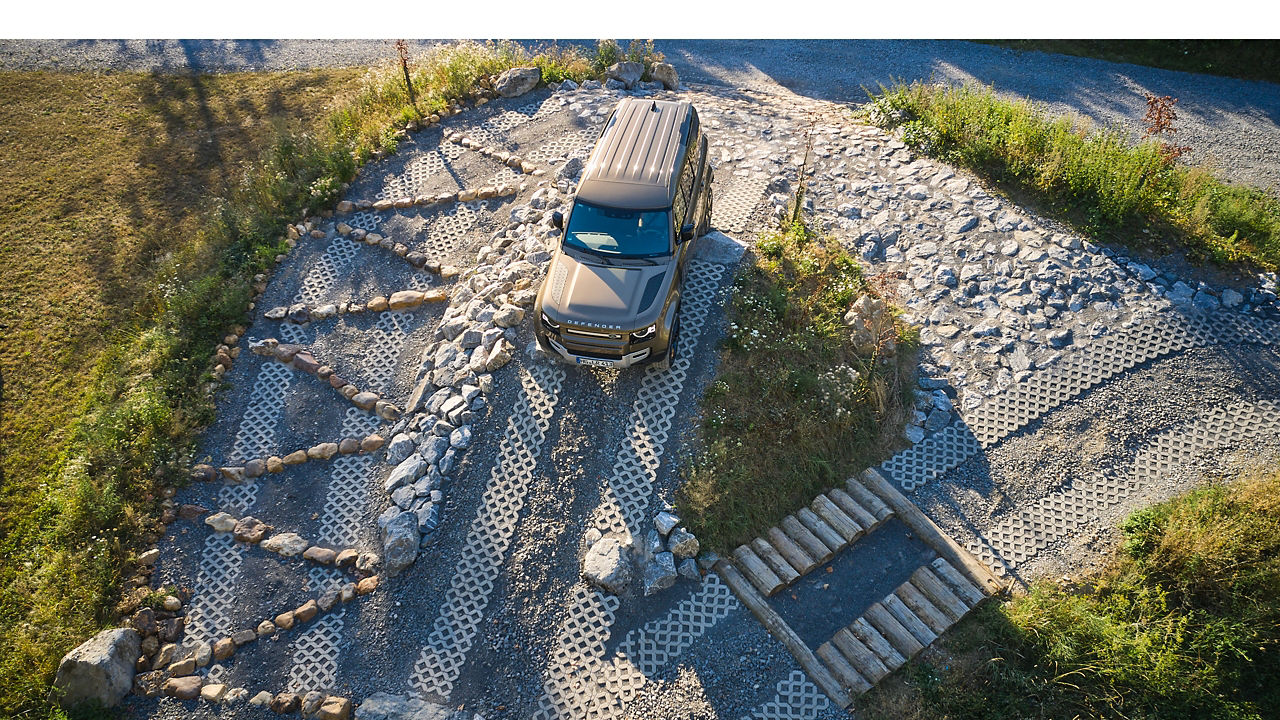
(553, 347)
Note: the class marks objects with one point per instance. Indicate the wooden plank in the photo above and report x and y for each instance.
(790, 551)
(776, 562)
(859, 655)
(967, 591)
(911, 515)
(872, 638)
(850, 679)
(903, 641)
(848, 528)
(772, 622)
(805, 539)
(754, 568)
(909, 620)
(819, 527)
(937, 621)
(939, 594)
(854, 509)
(867, 497)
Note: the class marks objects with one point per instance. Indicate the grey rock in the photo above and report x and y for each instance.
(401, 447)
(400, 543)
(409, 470)
(1204, 301)
(404, 496)
(517, 81)
(606, 566)
(653, 543)
(615, 84)
(683, 544)
(383, 706)
(938, 419)
(100, 670)
(627, 72)
(660, 573)
(570, 169)
(1231, 298)
(666, 74)
(1059, 338)
(913, 434)
(666, 522)
(461, 438)
(961, 224)
(433, 448)
(688, 569)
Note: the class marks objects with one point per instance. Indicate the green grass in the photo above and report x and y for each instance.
(137, 208)
(1093, 178)
(794, 408)
(1183, 623)
(1243, 59)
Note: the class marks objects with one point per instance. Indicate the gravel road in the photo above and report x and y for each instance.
(1231, 125)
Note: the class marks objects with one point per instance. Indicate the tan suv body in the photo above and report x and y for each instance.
(611, 296)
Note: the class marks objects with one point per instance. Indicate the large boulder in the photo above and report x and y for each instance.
(400, 543)
(383, 706)
(626, 72)
(517, 81)
(101, 670)
(606, 565)
(665, 73)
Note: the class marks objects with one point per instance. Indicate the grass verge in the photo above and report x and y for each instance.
(1183, 623)
(796, 406)
(138, 208)
(1242, 59)
(1093, 178)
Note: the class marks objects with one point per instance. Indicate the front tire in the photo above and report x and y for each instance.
(672, 344)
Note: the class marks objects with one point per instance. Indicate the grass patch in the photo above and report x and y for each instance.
(1093, 178)
(797, 406)
(137, 209)
(1184, 622)
(1243, 59)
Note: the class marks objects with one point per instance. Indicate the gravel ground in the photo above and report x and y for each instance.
(1231, 125)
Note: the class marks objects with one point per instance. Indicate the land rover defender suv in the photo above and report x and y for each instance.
(611, 295)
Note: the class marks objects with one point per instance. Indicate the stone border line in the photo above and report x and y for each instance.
(302, 359)
(303, 313)
(274, 464)
(454, 630)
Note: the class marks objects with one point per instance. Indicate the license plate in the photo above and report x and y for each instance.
(593, 361)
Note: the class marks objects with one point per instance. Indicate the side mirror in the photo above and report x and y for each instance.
(686, 232)
(557, 219)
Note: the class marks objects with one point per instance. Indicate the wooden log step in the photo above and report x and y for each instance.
(962, 586)
(939, 594)
(756, 571)
(924, 609)
(867, 663)
(790, 550)
(806, 539)
(854, 509)
(819, 527)
(776, 562)
(848, 677)
(900, 637)
(848, 528)
(777, 628)
(912, 622)
(869, 499)
(872, 638)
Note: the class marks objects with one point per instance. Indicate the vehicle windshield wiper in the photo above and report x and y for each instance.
(598, 253)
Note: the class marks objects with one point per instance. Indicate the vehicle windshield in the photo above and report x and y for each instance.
(621, 233)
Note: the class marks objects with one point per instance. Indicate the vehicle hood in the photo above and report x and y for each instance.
(620, 296)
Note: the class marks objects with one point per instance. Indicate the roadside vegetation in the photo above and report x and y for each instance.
(1136, 194)
(137, 209)
(1184, 622)
(1243, 59)
(795, 407)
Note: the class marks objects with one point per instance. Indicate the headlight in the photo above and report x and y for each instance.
(549, 322)
(644, 334)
